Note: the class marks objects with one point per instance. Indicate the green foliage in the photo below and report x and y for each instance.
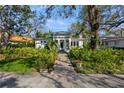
(18, 65)
(38, 35)
(20, 45)
(31, 57)
(101, 68)
(14, 19)
(51, 45)
(98, 61)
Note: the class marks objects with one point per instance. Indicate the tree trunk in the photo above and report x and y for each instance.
(93, 19)
(4, 39)
(94, 42)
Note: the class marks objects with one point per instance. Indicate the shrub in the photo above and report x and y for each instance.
(41, 58)
(104, 55)
(104, 60)
(98, 55)
(20, 45)
(101, 68)
(45, 60)
(75, 53)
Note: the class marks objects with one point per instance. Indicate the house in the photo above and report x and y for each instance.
(65, 40)
(40, 43)
(17, 38)
(113, 40)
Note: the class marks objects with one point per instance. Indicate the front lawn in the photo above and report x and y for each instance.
(17, 65)
(26, 59)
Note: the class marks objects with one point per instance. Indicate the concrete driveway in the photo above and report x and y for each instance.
(63, 76)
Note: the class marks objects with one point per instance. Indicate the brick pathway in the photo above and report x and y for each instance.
(63, 76)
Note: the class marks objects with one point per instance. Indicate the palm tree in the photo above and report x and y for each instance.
(51, 45)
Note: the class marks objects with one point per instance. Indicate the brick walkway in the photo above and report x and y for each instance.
(63, 76)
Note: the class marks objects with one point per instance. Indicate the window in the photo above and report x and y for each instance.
(74, 43)
(116, 42)
(106, 43)
(45, 42)
(71, 43)
(77, 43)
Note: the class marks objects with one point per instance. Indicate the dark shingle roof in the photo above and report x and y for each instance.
(61, 33)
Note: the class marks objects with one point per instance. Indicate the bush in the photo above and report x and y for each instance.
(45, 60)
(98, 55)
(104, 60)
(75, 53)
(101, 68)
(41, 58)
(20, 45)
(104, 55)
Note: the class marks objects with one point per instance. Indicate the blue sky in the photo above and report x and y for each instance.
(55, 25)
(59, 24)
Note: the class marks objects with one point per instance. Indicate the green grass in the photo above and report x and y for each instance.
(26, 59)
(17, 65)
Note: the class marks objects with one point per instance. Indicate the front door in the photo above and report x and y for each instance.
(62, 45)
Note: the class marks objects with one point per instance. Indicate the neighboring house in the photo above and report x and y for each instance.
(65, 41)
(113, 41)
(17, 38)
(40, 43)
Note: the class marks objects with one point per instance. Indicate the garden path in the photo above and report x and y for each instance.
(63, 76)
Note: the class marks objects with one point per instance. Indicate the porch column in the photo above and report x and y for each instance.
(69, 43)
(59, 44)
(65, 45)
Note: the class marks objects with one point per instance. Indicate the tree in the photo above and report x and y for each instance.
(37, 24)
(95, 17)
(51, 45)
(114, 17)
(75, 28)
(14, 20)
(38, 34)
(93, 20)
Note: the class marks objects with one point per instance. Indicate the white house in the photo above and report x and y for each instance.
(65, 41)
(113, 40)
(40, 43)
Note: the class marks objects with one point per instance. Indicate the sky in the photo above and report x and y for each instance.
(53, 24)
(59, 24)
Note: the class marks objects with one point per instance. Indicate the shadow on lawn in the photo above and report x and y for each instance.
(27, 61)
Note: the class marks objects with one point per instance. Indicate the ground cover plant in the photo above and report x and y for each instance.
(26, 59)
(101, 61)
(21, 44)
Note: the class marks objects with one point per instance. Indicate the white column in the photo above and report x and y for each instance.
(58, 44)
(64, 44)
(69, 43)
(81, 44)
